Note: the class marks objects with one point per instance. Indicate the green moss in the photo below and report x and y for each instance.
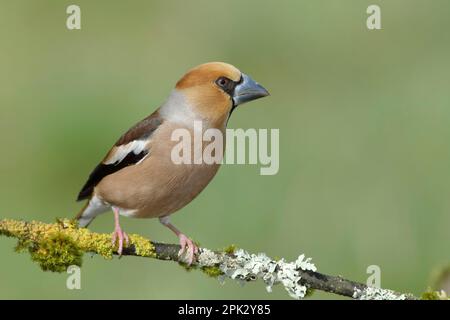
(62, 242)
(430, 295)
(92, 242)
(309, 292)
(142, 246)
(212, 271)
(434, 295)
(22, 245)
(230, 249)
(56, 253)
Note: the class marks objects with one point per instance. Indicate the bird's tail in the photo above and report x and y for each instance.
(90, 210)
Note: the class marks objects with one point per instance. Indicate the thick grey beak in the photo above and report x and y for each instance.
(248, 90)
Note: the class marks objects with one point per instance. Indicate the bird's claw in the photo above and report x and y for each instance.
(188, 248)
(118, 234)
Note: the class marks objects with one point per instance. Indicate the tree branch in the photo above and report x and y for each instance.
(57, 246)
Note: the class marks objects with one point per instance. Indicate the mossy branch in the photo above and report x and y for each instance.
(58, 245)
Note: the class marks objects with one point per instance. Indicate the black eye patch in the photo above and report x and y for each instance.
(226, 85)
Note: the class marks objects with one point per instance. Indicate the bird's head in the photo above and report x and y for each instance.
(214, 89)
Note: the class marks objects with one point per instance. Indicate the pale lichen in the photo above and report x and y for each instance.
(373, 293)
(208, 258)
(242, 266)
(58, 245)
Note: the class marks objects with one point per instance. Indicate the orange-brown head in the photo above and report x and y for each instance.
(214, 89)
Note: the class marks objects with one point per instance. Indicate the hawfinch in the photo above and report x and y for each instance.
(138, 179)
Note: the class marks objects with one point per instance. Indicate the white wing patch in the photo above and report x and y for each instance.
(136, 146)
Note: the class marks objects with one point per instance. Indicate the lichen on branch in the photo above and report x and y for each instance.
(56, 246)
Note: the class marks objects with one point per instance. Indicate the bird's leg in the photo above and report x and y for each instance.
(187, 245)
(118, 234)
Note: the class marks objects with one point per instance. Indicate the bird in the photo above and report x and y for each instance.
(138, 178)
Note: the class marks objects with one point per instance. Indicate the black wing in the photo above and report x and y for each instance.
(141, 131)
(103, 170)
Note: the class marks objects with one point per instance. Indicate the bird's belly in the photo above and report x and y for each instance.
(156, 189)
(157, 186)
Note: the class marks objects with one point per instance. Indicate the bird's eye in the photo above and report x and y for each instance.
(223, 82)
(226, 85)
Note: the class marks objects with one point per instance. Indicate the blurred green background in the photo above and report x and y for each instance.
(364, 127)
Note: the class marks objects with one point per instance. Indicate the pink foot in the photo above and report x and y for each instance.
(188, 247)
(118, 234)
